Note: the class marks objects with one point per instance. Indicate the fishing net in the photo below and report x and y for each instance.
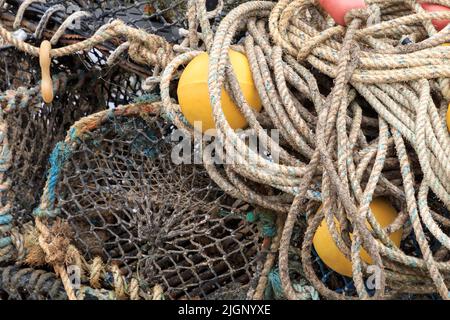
(375, 131)
(30, 284)
(83, 83)
(30, 130)
(360, 112)
(124, 201)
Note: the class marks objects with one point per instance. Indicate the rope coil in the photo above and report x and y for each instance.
(361, 114)
(392, 79)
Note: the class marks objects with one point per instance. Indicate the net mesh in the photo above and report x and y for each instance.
(128, 203)
(123, 198)
(159, 16)
(85, 85)
(33, 132)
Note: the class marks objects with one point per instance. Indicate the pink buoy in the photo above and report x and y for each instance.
(438, 24)
(337, 9)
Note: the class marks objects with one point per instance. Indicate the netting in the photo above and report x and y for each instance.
(129, 204)
(181, 234)
(33, 131)
(379, 132)
(33, 128)
(360, 110)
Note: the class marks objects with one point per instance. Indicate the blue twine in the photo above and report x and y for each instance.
(147, 98)
(111, 114)
(6, 241)
(326, 273)
(58, 157)
(269, 231)
(274, 289)
(146, 145)
(268, 221)
(73, 134)
(6, 219)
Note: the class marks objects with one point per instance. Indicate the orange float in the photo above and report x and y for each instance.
(337, 9)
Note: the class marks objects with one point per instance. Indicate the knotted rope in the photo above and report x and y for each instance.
(145, 48)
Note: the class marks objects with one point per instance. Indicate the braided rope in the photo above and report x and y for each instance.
(325, 155)
(47, 208)
(145, 48)
(364, 59)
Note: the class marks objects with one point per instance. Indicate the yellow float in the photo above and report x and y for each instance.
(448, 109)
(330, 254)
(193, 95)
(448, 118)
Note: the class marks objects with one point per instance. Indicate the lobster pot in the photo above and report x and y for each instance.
(18, 69)
(158, 16)
(30, 128)
(33, 128)
(29, 131)
(166, 224)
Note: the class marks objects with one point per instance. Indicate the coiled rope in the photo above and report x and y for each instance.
(325, 154)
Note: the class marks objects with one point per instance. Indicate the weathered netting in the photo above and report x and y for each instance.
(83, 83)
(29, 131)
(113, 182)
(361, 114)
(30, 284)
